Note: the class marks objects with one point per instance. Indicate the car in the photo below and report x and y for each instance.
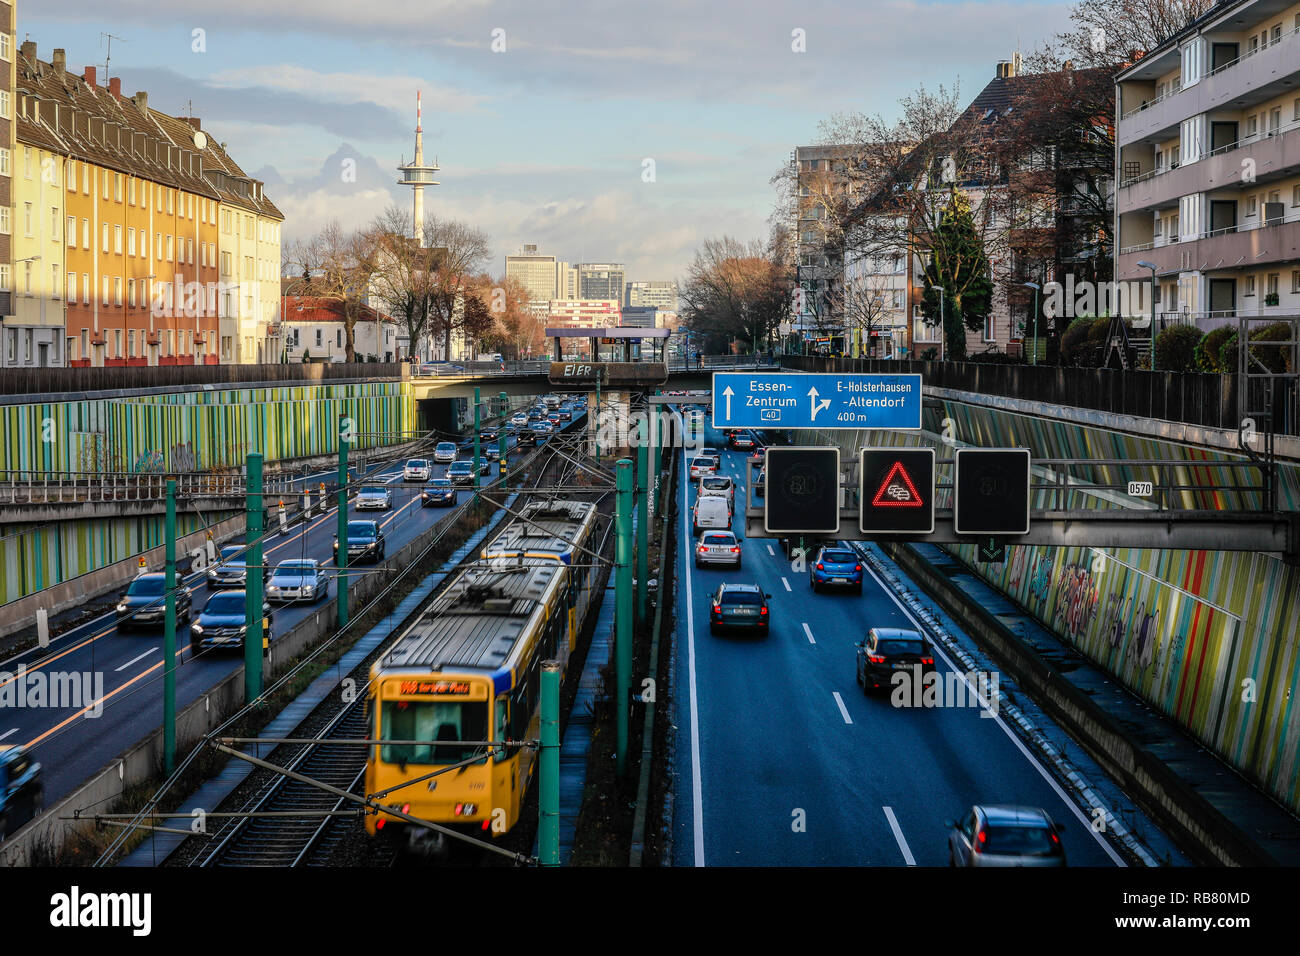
(760, 482)
(144, 603)
(22, 792)
(551, 401)
(231, 569)
(222, 623)
(1005, 835)
(701, 466)
(299, 579)
(553, 418)
(711, 512)
(534, 416)
(543, 428)
(439, 491)
(374, 499)
(461, 472)
(417, 469)
(739, 606)
(365, 540)
(484, 465)
(835, 567)
(526, 437)
(519, 419)
(566, 414)
(492, 453)
(886, 650)
(443, 453)
(718, 547)
(719, 485)
(489, 434)
(742, 440)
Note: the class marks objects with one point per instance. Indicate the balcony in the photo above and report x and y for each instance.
(1228, 248)
(1275, 154)
(1254, 77)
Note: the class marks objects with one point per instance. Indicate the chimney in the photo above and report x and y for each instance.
(28, 50)
(60, 62)
(193, 121)
(115, 86)
(141, 101)
(90, 77)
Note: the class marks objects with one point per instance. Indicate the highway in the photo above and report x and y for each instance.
(782, 760)
(71, 743)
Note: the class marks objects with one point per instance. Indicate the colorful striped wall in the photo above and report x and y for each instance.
(199, 431)
(1211, 639)
(192, 431)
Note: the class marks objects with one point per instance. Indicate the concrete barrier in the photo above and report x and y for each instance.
(1197, 825)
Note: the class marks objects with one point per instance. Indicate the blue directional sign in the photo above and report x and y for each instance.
(816, 400)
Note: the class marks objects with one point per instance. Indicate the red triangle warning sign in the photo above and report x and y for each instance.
(897, 490)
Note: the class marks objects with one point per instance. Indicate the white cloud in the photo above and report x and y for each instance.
(396, 92)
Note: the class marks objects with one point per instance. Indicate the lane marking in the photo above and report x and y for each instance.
(787, 584)
(8, 733)
(807, 630)
(898, 835)
(997, 719)
(697, 788)
(844, 711)
(770, 551)
(135, 659)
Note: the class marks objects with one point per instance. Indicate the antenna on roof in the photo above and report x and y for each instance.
(108, 57)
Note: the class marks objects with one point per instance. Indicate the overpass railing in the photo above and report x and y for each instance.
(72, 487)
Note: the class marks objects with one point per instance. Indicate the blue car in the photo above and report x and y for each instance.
(438, 492)
(835, 567)
(22, 795)
(221, 625)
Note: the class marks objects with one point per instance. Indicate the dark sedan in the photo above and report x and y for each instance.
(890, 650)
(365, 540)
(144, 603)
(739, 606)
(222, 624)
(22, 794)
(438, 492)
(231, 569)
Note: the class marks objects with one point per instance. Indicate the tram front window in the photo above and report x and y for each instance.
(430, 720)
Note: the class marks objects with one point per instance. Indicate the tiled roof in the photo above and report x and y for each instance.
(66, 113)
(321, 309)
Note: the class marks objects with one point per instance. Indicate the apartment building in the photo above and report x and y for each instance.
(819, 209)
(12, 338)
(584, 313)
(314, 331)
(876, 290)
(661, 295)
(538, 274)
(601, 280)
(1208, 166)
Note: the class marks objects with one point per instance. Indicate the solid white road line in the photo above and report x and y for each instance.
(808, 630)
(844, 711)
(997, 718)
(898, 835)
(135, 659)
(787, 584)
(697, 787)
(8, 733)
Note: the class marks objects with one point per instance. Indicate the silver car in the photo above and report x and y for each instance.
(1005, 835)
(379, 499)
(718, 547)
(298, 580)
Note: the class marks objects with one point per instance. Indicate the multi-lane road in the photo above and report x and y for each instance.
(783, 760)
(72, 743)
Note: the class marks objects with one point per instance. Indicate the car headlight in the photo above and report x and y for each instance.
(272, 589)
(196, 627)
(244, 629)
(309, 589)
(121, 609)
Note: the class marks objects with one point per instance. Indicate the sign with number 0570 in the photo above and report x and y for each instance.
(1140, 489)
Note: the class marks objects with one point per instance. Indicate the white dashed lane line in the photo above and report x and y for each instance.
(844, 711)
(8, 733)
(135, 659)
(898, 835)
(808, 630)
(770, 551)
(787, 584)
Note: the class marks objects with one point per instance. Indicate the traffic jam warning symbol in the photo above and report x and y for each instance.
(897, 490)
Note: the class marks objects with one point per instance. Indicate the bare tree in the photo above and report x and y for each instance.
(336, 265)
(404, 274)
(1111, 32)
(463, 252)
(868, 300)
(733, 290)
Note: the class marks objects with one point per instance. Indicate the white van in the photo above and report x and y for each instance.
(719, 485)
(711, 511)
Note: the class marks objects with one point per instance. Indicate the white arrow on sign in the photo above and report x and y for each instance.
(727, 392)
(816, 405)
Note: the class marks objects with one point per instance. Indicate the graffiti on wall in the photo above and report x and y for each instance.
(1076, 599)
(155, 462)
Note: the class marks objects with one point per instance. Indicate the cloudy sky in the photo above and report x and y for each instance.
(544, 139)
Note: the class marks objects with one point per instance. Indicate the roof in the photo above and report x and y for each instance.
(70, 115)
(310, 308)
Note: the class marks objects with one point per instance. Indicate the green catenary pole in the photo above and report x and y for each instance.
(623, 604)
(504, 467)
(169, 637)
(642, 520)
(478, 433)
(596, 420)
(653, 488)
(548, 835)
(341, 556)
(253, 573)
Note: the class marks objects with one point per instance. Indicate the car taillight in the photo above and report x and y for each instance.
(1055, 839)
(380, 824)
(762, 610)
(735, 551)
(927, 660)
(978, 845)
(819, 566)
(857, 567)
(876, 658)
(717, 608)
(702, 549)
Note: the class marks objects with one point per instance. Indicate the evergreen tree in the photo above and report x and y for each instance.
(960, 268)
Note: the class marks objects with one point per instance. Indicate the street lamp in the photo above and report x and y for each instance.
(1035, 286)
(1144, 264)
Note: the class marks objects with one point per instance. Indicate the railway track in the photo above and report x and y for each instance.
(267, 833)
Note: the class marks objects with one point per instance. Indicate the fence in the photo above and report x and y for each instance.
(71, 487)
(50, 381)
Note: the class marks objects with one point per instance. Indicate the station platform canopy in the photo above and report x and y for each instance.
(618, 344)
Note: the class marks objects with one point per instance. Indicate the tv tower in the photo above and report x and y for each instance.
(417, 175)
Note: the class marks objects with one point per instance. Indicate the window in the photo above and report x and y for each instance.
(72, 287)
(27, 161)
(105, 231)
(130, 292)
(6, 104)
(130, 342)
(6, 46)
(203, 254)
(72, 175)
(1270, 287)
(85, 179)
(117, 239)
(130, 242)
(1250, 285)
(171, 202)
(339, 338)
(1252, 124)
(6, 226)
(130, 191)
(189, 250)
(27, 278)
(54, 224)
(103, 180)
(85, 233)
(1295, 109)
(4, 160)
(117, 343)
(85, 343)
(85, 288)
(1295, 281)
(1252, 205)
(157, 236)
(117, 290)
(72, 231)
(117, 187)
(54, 280)
(27, 218)
(319, 340)
(5, 277)
(104, 297)
(171, 251)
